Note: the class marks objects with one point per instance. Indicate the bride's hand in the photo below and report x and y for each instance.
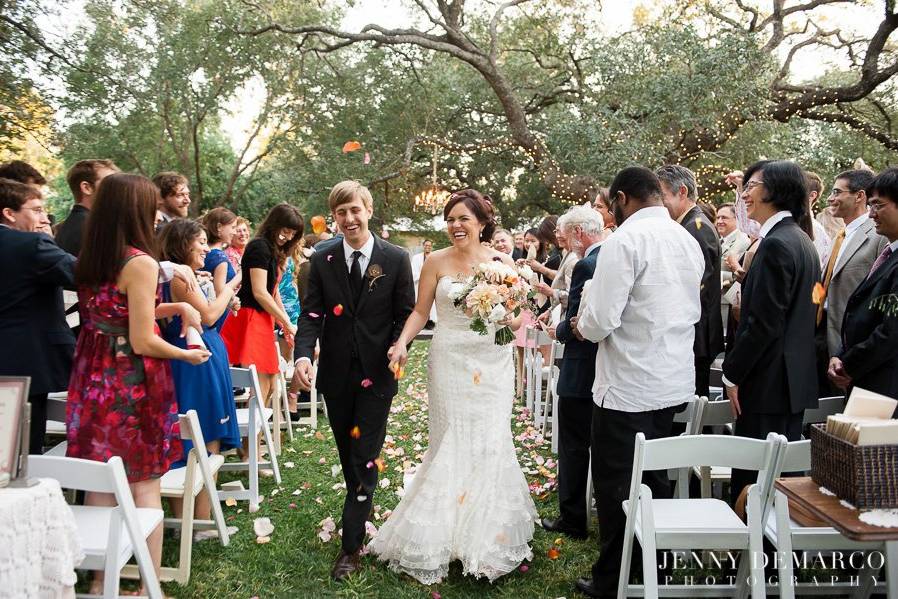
(398, 356)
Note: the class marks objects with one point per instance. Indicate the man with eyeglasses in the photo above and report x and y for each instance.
(854, 250)
(868, 355)
(37, 341)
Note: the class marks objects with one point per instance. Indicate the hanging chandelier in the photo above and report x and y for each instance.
(434, 198)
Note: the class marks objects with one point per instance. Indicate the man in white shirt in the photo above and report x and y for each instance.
(641, 309)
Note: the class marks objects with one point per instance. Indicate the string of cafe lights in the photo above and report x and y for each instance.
(563, 187)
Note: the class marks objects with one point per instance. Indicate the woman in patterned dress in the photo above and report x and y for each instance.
(121, 398)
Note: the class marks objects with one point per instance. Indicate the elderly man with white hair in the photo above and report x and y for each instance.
(583, 228)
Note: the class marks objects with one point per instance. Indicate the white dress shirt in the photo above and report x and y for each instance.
(773, 221)
(642, 313)
(364, 258)
(850, 229)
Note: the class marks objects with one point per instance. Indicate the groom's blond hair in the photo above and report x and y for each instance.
(346, 191)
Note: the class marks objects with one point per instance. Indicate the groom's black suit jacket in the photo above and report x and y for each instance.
(366, 329)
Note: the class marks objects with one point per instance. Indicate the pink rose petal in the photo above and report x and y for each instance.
(367, 383)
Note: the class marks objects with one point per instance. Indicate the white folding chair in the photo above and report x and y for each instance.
(826, 406)
(314, 401)
(550, 403)
(788, 536)
(716, 414)
(109, 536)
(691, 417)
(56, 407)
(690, 524)
(185, 484)
(251, 420)
(282, 406)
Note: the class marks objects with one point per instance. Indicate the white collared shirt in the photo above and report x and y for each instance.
(642, 313)
(850, 229)
(592, 247)
(772, 222)
(366, 250)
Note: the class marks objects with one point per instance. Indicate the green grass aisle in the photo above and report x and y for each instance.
(297, 561)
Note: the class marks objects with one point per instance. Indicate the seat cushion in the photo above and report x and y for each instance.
(173, 480)
(93, 532)
(690, 520)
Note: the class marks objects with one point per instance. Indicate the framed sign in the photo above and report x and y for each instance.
(13, 404)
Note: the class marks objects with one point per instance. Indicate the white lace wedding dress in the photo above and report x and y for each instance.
(468, 499)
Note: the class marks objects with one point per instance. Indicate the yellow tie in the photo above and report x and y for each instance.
(830, 266)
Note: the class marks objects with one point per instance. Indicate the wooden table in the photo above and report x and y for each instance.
(806, 494)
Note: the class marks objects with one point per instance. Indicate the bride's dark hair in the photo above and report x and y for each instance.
(481, 205)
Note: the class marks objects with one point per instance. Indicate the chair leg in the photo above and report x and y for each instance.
(215, 502)
(275, 394)
(784, 546)
(272, 455)
(866, 581)
(756, 544)
(706, 482)
(649, 564)
(286, 406)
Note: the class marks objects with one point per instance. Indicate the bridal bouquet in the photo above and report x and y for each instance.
(494, 293)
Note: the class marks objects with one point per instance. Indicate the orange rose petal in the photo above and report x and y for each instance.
(381, 464)
(553, 553)
(338, 310)
(461, 498)
(818, 293)
(351, 146)
(355, 433)
(476, 377)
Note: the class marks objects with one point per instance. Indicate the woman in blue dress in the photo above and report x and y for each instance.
(220, 224)
(207, 387)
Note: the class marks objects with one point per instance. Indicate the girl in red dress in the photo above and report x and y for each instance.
(249, 336)
(121, 398)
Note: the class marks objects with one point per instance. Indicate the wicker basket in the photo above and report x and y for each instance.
(866, 477)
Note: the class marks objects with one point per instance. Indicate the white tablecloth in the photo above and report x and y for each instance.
(38, 542)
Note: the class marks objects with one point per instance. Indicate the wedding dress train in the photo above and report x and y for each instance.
(468, 499)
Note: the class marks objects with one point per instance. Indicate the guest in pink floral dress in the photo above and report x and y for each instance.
(121, 396)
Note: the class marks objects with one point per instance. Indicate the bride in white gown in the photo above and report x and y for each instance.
(468, 499)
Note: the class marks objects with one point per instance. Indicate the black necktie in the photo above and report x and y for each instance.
(355, 276)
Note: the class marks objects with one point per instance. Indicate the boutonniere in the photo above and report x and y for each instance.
(374, 272)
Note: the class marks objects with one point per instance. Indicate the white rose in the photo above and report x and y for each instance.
(456, 290)
(497, 313)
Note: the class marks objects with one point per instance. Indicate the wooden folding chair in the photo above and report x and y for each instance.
(109, 536)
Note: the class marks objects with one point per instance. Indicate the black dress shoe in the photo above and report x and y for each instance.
(346, 564)
(587, 587)
(557, 525)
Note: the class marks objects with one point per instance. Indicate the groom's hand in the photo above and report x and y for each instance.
(397, 354)
(302, 372)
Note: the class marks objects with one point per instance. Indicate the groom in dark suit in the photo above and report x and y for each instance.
(359, 295)
(583, 227)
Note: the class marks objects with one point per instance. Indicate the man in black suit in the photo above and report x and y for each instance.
(680, 196)
(83, 178)
(37, 341)
(358, 297)
(769, 372)
(583, 227)
(869, 354)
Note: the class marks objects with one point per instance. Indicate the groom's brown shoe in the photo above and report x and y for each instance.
(346, 564)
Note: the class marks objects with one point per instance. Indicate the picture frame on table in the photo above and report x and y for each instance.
(13, 426)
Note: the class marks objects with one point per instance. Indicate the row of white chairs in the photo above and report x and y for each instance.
(185, 484)
(687, 525)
